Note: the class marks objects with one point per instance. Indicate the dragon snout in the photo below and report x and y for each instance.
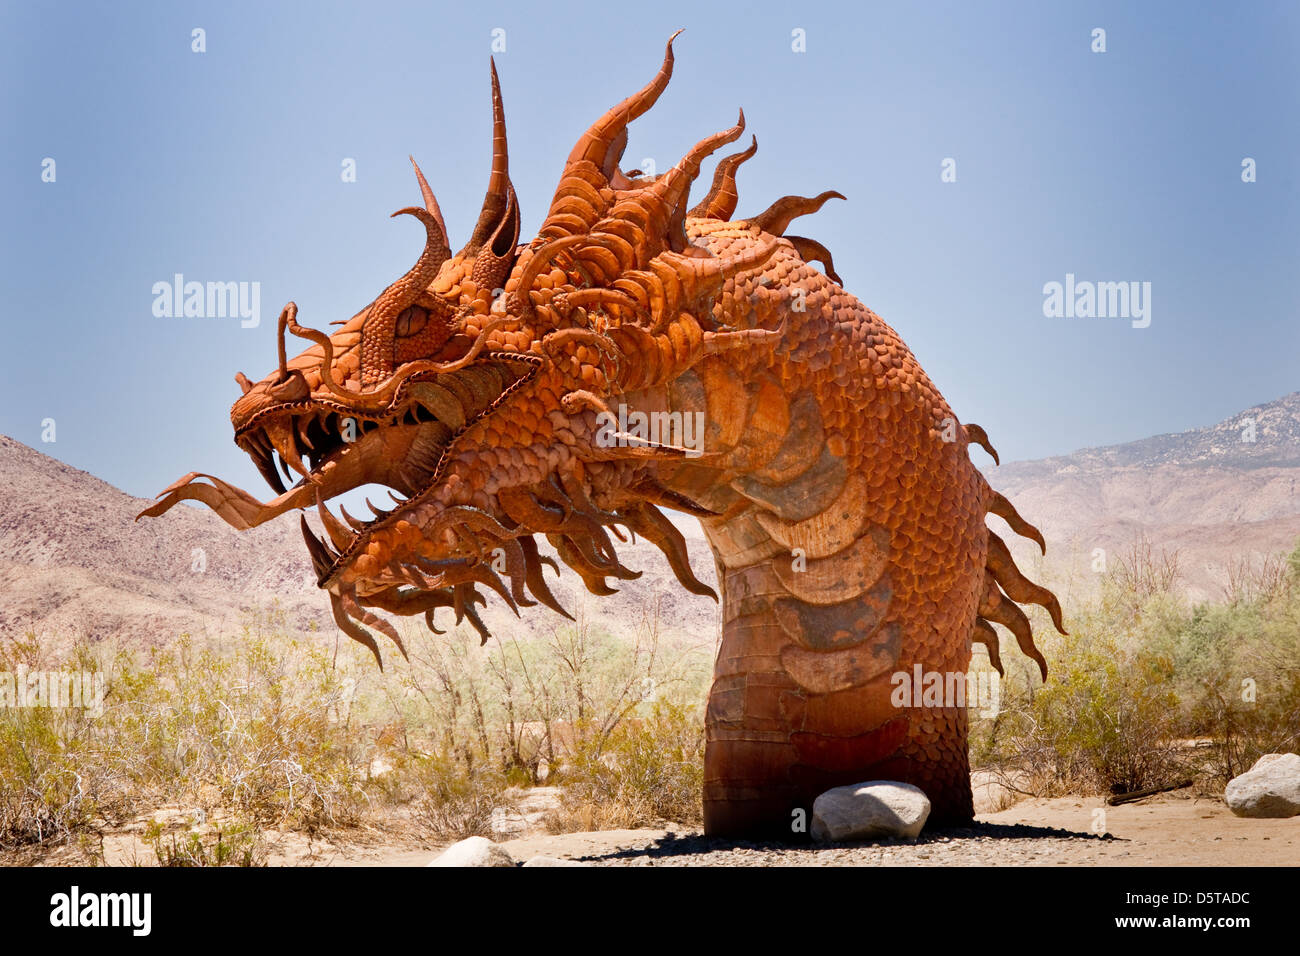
(268, 393)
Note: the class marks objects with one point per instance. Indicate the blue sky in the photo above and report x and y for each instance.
(225, 166)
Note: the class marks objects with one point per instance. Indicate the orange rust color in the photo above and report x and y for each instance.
(497, 391)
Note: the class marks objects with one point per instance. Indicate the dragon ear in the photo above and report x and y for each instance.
(381, 324)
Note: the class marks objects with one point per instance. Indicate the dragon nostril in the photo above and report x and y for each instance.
(292, 388)
(288, 316)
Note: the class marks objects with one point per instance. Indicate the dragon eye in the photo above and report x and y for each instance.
(411, 321)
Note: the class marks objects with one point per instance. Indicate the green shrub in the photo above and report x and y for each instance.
(1148, 690)
(646, 771)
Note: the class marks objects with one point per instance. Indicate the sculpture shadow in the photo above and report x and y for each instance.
(680, 846)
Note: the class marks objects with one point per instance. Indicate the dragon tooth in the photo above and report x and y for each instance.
(338, 533)
(356, 525)
(322, 558)
(303, 424)
(281, 436)
(266, 468)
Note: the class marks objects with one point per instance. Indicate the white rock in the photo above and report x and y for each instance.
(1271, 788)
(553, 861)
(476, 851)
(861, 811)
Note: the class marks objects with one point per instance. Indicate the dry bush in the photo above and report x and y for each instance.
(1251, 580)
(564, 709)
(250, 731)
(273, 732)
(51, 785)
(453, 803)
(1242, 667)
(1147, 690)
(1140, 573)
(645, 772)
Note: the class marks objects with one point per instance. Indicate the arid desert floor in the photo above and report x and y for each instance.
(1167, 830)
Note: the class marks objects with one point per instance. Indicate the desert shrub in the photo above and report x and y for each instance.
(573, 709)
(646, 771)
(1106, 720)
(238, 844)
(1148, 690)
(51, 784)
(249, 730)
(452, 801)
(1239, 667)
(252, 730)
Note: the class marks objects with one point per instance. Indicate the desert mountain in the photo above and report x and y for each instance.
(76, 564)
(1218, 496)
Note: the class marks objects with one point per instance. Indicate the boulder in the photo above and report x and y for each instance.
(1271, 788)
(864, 811)
(476, 851)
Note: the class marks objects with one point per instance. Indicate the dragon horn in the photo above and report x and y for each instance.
(674, 186)
(777, 217)
(430, 202)
(284, 361)
(497, 201)
(595, 144)
(720, 203)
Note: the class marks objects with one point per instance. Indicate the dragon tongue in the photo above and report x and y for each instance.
(282, 438)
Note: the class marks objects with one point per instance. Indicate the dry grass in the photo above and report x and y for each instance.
(270, 733)
(274, 733)
(1141, 674)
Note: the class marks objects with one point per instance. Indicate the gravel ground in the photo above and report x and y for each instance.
(970, 846)
(1172, 830)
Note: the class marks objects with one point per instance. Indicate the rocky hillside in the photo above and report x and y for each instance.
(76, 564)
(1217, 495)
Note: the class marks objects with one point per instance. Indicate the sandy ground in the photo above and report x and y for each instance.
(1162, 831)
(1167, 830)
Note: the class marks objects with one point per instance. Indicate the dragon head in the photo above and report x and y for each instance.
(479, 388)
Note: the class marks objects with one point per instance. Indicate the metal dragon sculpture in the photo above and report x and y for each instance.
(846, 520)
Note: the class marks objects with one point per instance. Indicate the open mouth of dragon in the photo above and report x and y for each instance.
(332, 448)
(404, 396)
